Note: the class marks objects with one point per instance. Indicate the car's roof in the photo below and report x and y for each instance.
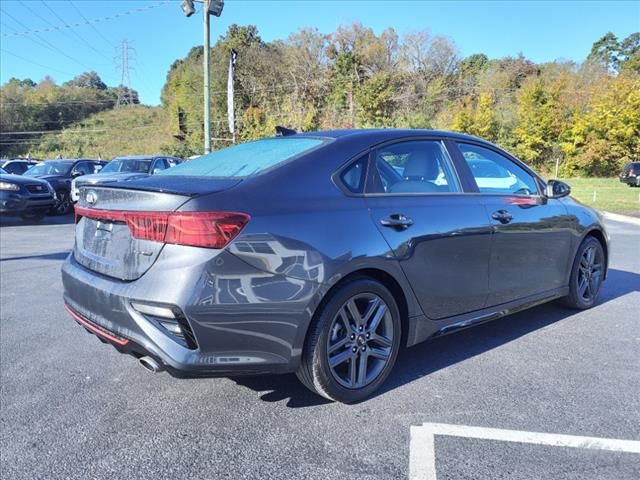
(73, 160)
(382, 134)
(141, 157)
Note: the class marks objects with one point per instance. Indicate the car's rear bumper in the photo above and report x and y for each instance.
(232, 338)
(16, 203)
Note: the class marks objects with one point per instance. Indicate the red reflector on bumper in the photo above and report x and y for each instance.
(96, 329)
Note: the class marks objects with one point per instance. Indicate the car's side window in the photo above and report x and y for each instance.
(15, 168)
(495, 173)
(353, 176)
(83, 168)
(421, 166)
(159, 165)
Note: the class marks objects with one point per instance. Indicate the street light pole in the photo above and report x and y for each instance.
(207, 97)
(209, 7)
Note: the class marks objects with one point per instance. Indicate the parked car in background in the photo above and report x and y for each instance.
(60, 173)
(631, 174)
(312, 253)
(125, 168)
(30, 198)
(17, 166)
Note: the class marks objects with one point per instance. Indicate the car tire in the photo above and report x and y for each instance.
(63, 203)
(33, 216)
(341, 341)
(587, 274)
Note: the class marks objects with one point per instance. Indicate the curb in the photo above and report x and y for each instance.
(616, 217)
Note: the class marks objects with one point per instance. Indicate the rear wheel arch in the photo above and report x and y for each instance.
(387, 280)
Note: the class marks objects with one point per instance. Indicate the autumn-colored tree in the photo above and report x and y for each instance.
(606, 134)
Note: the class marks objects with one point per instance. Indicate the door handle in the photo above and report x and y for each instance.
(503, 216)
(398, 221)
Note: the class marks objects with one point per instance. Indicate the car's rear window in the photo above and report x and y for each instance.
(247, 159)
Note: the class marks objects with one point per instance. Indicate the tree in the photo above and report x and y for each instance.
(87, 80)
(615, 55)
(605, 52)
(605, 135)
(376, 102)
(541, 121)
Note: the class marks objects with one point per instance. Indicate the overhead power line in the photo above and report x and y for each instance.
(64, 26)
(88, 22)
(80, 37)
(45, 43)
(33, 63)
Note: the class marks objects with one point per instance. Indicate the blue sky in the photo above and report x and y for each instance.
(541, 30)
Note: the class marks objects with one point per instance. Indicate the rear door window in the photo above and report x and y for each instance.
(247, 159)
(421, 166)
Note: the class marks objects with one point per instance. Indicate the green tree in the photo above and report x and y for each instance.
(376, 102)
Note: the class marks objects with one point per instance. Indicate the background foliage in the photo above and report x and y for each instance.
(585, 116)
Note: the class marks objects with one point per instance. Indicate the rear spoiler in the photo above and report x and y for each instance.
(284, 131)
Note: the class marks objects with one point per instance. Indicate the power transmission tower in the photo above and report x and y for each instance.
(125, 96)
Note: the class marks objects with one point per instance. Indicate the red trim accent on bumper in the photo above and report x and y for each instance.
(96, 329)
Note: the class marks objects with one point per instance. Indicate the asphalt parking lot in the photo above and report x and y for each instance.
(72, 407)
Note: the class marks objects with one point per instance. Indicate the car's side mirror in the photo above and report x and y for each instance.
(76, 173)
(556, 189)
(156, 170)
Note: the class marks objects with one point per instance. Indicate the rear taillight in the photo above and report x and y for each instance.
(197, 229)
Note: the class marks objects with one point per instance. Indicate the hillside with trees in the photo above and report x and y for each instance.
(585, 116)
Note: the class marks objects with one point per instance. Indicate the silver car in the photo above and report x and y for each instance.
(121, 169)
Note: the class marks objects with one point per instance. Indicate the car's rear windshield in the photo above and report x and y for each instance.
(247, 159)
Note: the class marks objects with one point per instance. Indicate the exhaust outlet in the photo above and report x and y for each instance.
(150, 364)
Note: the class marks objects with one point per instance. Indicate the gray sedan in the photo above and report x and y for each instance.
(324, 253)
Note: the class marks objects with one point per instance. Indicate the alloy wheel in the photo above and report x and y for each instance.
(590, 273)
(64, 203)
(360, 341)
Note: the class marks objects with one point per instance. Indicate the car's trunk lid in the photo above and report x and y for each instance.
(104, 242)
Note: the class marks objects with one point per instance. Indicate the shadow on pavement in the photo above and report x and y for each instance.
(45, 256)
(11, 221)
(431, 356)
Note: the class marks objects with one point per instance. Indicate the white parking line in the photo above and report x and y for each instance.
(422, 455)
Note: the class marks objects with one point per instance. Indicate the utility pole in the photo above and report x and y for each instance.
(207, 64)
(209, 7)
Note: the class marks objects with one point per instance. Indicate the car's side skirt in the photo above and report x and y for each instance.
(424, 329)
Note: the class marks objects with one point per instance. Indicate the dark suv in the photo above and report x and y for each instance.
(28, 197)
(17, 166)
(60, 173)
(631, 174)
